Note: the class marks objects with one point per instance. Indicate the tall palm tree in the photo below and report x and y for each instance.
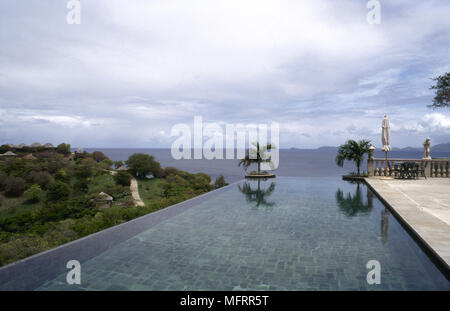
(256, 155)
(353, 151)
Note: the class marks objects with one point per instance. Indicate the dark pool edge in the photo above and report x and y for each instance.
(438, 261)
(141, 223)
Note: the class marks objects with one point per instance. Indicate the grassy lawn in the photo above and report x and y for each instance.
(149, 189)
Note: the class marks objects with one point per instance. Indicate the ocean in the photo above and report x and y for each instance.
(293, 162)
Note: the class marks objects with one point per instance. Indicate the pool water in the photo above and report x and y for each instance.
(289, 233)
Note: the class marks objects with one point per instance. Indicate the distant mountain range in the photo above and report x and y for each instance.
(436, 148)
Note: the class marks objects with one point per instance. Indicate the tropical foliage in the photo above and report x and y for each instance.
(442, 88)
(353, 151)
(257, 155)
(141, 165)
(50, 200)
(220, 182)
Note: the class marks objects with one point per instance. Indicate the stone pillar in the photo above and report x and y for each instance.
(370, 167)
(428, 166)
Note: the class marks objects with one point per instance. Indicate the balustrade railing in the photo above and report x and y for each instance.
(430, 168)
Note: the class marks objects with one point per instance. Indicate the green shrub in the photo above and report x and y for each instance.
(3, 178)
(63, 176)
(17, 167)
(106, 164)
(14, 186)
(160, 173)
(21, 246)
(122, 178)
(63, 148)
(58, 191)
(220, 182)
(171, 170)
(173, 189)
(81, 186)
(99, 156)
(42, 178)
(33, 194)
(86, 168)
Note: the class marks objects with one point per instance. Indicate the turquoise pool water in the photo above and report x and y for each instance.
(282, 234)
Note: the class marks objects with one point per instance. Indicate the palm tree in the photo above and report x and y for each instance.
(257, 155)
(353, 151)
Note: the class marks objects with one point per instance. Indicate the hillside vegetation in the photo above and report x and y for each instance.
(53, 196)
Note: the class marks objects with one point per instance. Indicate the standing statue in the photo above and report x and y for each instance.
(426, 149)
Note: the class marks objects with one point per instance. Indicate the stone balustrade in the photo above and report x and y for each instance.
(431, 168)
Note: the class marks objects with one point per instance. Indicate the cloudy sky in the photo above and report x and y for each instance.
(133, 69)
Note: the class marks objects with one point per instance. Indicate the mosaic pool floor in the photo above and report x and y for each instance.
(282, 234)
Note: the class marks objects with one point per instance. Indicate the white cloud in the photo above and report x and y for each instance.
(437, 121)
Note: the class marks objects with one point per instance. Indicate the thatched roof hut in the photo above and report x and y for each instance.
(104, 200)
(8, 154)
(36, 145)
(29, 157)
(122, 168)
(48, 145)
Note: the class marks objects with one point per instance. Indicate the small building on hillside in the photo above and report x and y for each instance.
(29, 157)
(48, 145)
(36, 145)
(8, 155)
(103, 200)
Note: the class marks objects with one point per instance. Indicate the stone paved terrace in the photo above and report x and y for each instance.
(424, 204)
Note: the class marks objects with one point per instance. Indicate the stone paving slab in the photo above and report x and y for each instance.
(424, 205)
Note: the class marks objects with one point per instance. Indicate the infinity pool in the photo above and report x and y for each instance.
(281, 234)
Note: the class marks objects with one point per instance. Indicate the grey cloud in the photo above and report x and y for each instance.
(142, 67)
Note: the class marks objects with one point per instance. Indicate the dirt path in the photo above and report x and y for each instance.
(135, 192)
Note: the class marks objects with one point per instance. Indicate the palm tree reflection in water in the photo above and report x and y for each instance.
(258, 195)
(385, 225)
(353, 205)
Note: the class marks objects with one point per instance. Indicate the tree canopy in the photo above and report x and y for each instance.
(442, 87)
(63, 148)
(353, 151)
(256, 155)
(140, 165)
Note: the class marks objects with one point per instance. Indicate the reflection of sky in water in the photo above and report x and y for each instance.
(280, 234)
